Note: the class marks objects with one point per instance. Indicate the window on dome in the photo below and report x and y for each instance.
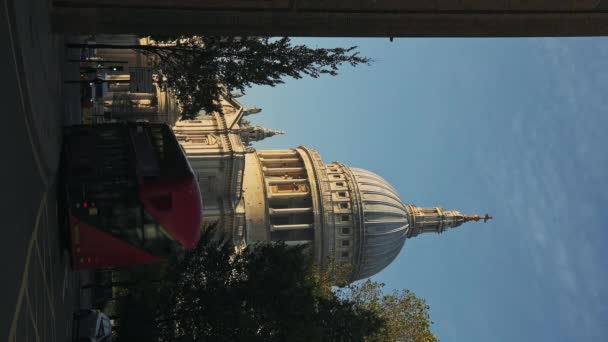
(345, 243)
(293, 187)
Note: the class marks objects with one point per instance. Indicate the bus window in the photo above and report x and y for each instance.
(156, 239)
(172, 161)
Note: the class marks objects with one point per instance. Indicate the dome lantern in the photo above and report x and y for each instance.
(437, 220)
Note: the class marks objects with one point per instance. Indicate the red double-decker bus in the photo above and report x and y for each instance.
(129, 194)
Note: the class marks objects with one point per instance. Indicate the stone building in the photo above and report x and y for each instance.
(217, 146)
(344, 214)
(122, 100)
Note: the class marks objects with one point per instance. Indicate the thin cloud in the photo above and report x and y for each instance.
(546, 177)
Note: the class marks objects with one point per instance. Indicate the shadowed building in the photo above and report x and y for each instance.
(357, 18)
(344, 215)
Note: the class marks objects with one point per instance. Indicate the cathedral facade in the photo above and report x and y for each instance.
(343, 214)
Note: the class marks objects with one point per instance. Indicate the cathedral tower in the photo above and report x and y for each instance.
(345, 215)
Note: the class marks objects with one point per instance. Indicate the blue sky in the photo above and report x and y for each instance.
(514, 127)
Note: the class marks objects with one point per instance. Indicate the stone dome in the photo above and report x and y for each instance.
(383, 224)
(354, 218)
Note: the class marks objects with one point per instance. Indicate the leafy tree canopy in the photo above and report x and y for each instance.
(407, 316)
(200, 69)
(264, 292)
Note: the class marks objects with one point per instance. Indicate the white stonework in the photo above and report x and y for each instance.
(345, 215)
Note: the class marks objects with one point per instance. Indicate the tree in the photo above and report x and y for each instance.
(201, 69)
(406, 315)
(263, 292)
(266, 292)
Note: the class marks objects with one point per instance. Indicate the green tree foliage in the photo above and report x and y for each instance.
(267, 292)
(407, 316)
(200, 69)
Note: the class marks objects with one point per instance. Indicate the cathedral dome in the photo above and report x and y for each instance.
(383, 226)
(358, 219)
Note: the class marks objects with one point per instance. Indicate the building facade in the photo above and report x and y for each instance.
(129, 92)
(344, 215)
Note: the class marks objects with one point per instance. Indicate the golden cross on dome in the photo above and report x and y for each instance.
(477, 218)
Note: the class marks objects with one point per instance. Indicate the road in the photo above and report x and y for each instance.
(39, 292)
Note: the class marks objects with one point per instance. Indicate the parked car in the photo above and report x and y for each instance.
(91, 326)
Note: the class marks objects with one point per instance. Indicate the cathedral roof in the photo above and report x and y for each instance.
(384, 223)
